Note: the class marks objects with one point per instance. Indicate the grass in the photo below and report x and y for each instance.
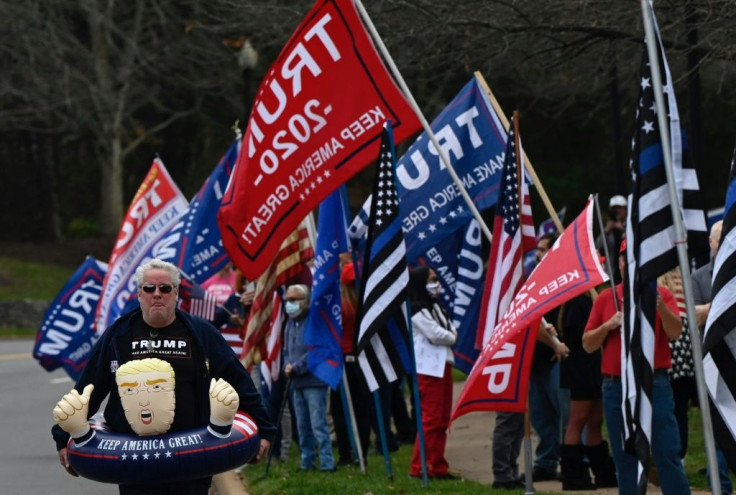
(284, 478)
(24, 280)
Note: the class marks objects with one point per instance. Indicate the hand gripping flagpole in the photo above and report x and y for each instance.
(412, 102)
(695, 337)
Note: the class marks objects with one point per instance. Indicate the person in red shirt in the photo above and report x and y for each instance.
(603, 330)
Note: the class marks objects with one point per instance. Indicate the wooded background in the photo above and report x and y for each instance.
(92, 90)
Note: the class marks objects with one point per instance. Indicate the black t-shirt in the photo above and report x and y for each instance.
(173, 344)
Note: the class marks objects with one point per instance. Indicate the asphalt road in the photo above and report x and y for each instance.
(28, 460)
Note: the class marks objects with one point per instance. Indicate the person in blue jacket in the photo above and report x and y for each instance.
(308, 393)
(195, 349)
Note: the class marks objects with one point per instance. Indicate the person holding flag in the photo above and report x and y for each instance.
(603, 330)
(433, 337)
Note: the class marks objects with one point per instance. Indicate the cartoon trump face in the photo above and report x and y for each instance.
(146, 389)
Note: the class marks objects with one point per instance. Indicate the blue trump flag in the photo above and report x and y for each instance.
(67, 335)
(474, 139)
(323, 333)
(194, 244)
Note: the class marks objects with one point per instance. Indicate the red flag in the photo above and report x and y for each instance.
(289, 265)
(316, 121)
(155, 208)
(513, 235)
(499, 378)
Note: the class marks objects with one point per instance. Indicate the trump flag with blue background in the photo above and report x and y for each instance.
(323, 333)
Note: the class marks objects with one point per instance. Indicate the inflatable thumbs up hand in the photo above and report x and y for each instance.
(224, 402)
(71, 412)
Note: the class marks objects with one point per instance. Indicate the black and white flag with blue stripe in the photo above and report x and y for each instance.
(719, 345)
(383, 337)
(651, 251)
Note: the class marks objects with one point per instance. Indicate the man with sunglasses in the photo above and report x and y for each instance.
(196, 351)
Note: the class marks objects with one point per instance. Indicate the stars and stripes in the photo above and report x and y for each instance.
(651, 251)
(288, 265)
(382, 340)
(719, 345)
(197, 301)
(513, 235)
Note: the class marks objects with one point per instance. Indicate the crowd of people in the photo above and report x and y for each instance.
(574, 386)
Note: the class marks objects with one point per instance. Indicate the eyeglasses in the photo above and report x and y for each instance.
(163, 288)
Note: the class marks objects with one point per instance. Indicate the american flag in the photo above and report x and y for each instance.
(290, 262)
(197, 301)
(719, 346)
(651, 251)
(513, 235)
(383, 337)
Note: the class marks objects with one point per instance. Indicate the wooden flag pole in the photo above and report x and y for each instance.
(412, 102)
(527, 164)
(695, 337)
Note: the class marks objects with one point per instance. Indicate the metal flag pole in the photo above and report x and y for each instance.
(412, 102)
(695, 337)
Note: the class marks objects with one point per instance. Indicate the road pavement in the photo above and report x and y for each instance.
(28, 460)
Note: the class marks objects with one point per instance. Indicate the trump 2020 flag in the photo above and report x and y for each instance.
(383, 336)
(316, 121)
(499, 378)
(155, 209)
(67, 334)
(719, 346)
(323, 333)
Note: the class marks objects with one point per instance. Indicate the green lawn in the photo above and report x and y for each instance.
(23, 280)
(286, 479)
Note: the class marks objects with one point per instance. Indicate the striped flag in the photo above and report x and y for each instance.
(513, 235)
(383, 337)
(651, 251)
(719, 346)
(197, 301)
(289, 265)
(687, 185)
(271, 363)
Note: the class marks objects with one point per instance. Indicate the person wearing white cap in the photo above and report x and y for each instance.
(614, 229)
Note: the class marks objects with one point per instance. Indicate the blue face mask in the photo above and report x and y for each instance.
(292, 309)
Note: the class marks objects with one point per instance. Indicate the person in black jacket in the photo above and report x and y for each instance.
(197, 353)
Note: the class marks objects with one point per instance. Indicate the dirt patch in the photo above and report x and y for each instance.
(69, 254)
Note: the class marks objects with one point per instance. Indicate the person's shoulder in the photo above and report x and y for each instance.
(703, 271)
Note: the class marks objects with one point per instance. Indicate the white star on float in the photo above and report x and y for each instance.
(443, 220)
(145, 456)
(647, 127)
(421, 236)
(432, 228)
(168, 453)
(156, 455)
(645, 83)
(124, 456)
(134, 457)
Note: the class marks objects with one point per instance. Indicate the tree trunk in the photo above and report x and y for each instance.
(111, 190)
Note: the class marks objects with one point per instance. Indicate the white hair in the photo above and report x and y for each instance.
(157, 264)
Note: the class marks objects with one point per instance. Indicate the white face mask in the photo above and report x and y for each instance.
(434, 289)
(292, 309)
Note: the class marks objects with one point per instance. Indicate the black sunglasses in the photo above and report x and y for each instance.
(151, 288)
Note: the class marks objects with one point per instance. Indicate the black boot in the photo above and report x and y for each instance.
(575, 474)
(601, 463)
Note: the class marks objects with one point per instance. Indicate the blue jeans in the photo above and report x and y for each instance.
(310, 407)
(726, 487)
(665, 438)
(544, 413)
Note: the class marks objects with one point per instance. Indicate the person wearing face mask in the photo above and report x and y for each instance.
(433, 337)
(308, 393)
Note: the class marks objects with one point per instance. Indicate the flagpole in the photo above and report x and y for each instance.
(681, 246)
(527, 164)
(528, 481)
(606, 253)
(412, 102)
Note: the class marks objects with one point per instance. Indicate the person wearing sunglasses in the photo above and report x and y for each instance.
(195, 349)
